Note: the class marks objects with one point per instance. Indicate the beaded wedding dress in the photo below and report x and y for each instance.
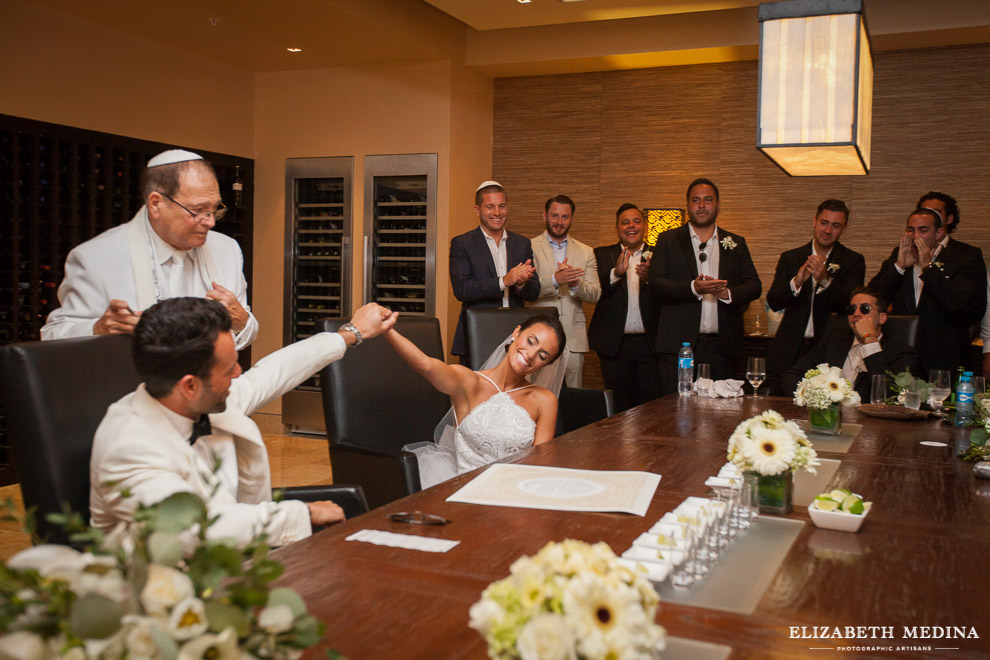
(495, 428)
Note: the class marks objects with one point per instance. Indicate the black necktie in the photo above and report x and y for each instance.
(200, 428)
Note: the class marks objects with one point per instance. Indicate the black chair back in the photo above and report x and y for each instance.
(374, 404)
(54, 394)
(903, 328)
(485, 327)
(578, 406)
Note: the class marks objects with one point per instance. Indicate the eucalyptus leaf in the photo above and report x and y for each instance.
(308, 631)
(165, 548)
(95, 617)
(288, 597)
(177, 512)
(223, 616)
(978, 437)
(167, 648)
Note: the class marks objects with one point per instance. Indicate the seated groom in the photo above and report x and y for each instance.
(861, 349)
(186, 427)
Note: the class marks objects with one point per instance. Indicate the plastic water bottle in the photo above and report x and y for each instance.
(685, 370)
(964, 399)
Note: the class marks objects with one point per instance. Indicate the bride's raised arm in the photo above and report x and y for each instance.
(448, 378)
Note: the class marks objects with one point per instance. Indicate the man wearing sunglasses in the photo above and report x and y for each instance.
(167, 250)
(860, 347)
(940, 279)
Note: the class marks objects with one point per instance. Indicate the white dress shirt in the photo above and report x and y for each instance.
(634, 317)
(709, 301)
(809, 329)
(500, 255)
(856, 358)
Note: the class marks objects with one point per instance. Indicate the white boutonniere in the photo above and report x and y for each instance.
(728, 243)
(833, 267)
(939, 265)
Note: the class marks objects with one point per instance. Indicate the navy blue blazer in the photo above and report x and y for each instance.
(475, 282)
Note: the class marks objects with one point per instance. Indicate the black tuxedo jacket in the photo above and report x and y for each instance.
(954, 296)
(847, 270)
(609, 320)
(672, 270)
(894, 357)
(474, 280)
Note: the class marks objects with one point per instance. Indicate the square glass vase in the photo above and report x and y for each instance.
(776, 492)
(827, 421)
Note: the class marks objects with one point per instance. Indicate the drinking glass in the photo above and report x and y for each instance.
(912, 397)
(878, 390)
(941, 383)
(979, 384)
(703, 384)
(756, 373)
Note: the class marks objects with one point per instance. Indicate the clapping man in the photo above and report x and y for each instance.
(941, 280)
(490, 266)
(810, 283)
(568, 277)
(624, 323)
(703, 278)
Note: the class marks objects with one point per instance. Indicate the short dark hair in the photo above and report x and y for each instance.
(481, 192)
(932, 212)
(625, 207)
(175, 338)
(165, 178)
(701, 181)
(951, 207)
(559, 199)
(867, 291)
(836, 205)
(553, 323)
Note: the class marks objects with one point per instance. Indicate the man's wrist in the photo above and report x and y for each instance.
(352, 329)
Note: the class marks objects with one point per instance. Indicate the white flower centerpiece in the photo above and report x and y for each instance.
(823, 391)
(160, 591)
(571, 600)
(772, 449)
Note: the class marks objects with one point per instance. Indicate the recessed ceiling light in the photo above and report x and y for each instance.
(294, 50)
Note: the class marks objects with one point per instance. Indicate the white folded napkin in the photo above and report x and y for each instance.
(727, 389)
(408, 541)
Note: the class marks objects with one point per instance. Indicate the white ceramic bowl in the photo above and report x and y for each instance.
(838, 520)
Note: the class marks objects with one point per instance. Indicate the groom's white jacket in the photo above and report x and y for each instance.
(138, 450)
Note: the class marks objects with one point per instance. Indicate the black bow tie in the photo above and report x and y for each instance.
(200, 428)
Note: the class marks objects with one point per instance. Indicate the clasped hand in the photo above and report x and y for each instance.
(518, 275)
(567, 275)
(814, 266)
(642, 268)
(705, 284)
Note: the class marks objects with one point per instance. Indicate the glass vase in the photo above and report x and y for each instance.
(776, 492)
(827, 421)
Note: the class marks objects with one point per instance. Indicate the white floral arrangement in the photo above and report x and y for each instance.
(147, 598)
(769, 444)
(571, 600)
(728, 243)
(824, 386)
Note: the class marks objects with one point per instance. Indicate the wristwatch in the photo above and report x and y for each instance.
(351, 328)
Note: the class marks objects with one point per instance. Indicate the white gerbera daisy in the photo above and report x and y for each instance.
(771, 451)
(605, 616)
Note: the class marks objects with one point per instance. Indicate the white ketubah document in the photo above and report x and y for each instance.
(560, 489)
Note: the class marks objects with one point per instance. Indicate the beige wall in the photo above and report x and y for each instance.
(67, 71)
(422, 107)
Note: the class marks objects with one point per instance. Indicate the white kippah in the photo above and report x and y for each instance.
(485, 184)
(173, 156)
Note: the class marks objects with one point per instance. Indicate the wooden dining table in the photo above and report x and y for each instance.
(919, 567)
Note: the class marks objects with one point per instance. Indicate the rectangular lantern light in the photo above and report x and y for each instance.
(816, 87)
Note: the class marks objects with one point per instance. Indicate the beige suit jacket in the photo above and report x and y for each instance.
(137, 449)
(569, 305)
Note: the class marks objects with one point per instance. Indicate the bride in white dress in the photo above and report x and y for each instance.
(496, 411)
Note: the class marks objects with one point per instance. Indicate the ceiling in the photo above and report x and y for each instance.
(497, 37)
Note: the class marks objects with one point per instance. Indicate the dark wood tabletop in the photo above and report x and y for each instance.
(921, 559)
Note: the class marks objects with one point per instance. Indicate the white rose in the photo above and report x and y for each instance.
(485, 614)
(22, 645)
(51, 561)
(216, 647)
(546, 637)
(139, 640)
(165, 587)
(276, 618)
(188, 619)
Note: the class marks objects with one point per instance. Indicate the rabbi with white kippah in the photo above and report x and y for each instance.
(490, 266)
(166, 251)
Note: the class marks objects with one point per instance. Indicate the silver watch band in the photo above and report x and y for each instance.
(351, 328)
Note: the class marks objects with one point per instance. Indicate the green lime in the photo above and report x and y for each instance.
(838, 495)
(852, 504)
(826, 504)
(825, 498)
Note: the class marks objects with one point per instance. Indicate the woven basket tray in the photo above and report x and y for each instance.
(892, 412)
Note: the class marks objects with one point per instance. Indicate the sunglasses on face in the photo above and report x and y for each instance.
(864, 308)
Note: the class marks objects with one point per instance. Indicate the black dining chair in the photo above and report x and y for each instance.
(485, 327)
(374, 404)
(53, 395)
